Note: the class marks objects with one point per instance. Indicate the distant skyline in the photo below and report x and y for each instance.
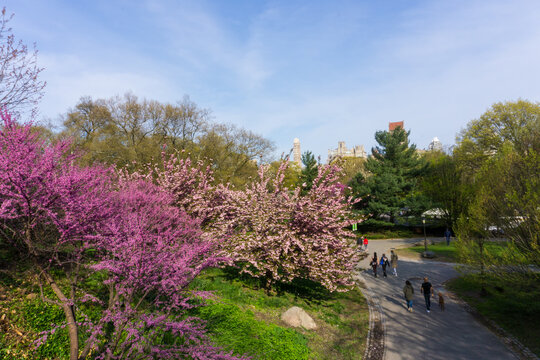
(322, 71)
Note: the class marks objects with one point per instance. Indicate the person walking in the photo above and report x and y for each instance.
(365, 243)
(427, 290)
(374, 264)
(447, 235)
(393, 261)
(384, 264)
(408, 291)
(360, 242)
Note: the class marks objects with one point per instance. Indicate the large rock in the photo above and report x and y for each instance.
(297, 317)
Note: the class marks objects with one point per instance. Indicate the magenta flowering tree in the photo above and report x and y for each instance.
(154, 250)
(49, 210)
(79, 221)
(276, 233)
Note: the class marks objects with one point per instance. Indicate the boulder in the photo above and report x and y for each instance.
(297, 317)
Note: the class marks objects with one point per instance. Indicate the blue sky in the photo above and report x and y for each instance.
(322, 71)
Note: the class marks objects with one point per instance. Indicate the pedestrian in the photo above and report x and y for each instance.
(365, 243)
(408, 291)
(394, 260)
(427, 290)
(384, 264)
(374, 264)
(447, 235)
(359, 242)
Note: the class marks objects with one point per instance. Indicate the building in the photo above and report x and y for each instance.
(342, 151)
(435, 145)
(393, 125)
(297, 154)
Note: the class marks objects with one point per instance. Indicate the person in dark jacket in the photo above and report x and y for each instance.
(384, 263)
(374, 264)
(427, 290)
(408, 291)
(447, 235)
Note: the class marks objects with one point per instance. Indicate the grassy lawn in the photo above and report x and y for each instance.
(246, 319)
(512, 304)
(448, 253)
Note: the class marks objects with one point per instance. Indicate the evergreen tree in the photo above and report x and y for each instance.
(309, 171)
(393, 169)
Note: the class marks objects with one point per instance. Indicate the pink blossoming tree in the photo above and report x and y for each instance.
(278, 234)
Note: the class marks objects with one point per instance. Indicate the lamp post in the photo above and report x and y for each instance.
(425, 238)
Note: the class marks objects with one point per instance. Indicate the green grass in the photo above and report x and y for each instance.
(246, 319)
(450, 252)
(513, 305)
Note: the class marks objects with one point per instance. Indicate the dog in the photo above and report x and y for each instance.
(441, 301)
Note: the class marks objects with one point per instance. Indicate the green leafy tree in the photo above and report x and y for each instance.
(500, 154)
(309, 171)
(130, 132)
(444, 185)
(391, 184)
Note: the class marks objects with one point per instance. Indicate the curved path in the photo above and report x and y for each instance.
(452, 334)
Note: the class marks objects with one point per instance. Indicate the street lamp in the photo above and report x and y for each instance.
(425, 238)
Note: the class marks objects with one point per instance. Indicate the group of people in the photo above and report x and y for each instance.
(426, 289)
(362, 242)
(408, 291)
(384, 263)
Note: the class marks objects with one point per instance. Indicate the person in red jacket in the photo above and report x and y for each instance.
(365, 243)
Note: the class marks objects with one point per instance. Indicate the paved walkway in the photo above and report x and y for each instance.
(452, 334)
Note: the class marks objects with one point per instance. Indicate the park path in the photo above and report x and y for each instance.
(452, 334)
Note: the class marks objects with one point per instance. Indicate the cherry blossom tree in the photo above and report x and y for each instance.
(278, 234)
(191, 185)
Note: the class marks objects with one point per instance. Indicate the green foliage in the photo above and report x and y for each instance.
(238, 330)
(513, 304)
(309, 171)
(444, 185)
(391, 186)
(498, 157)
(130, 132)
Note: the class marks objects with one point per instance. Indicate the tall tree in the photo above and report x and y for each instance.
(393, 169)
(20, 84)
(127, 131)
(445, 186)
(309, 171)
(500, 154)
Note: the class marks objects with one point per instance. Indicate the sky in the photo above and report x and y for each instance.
(322, 71)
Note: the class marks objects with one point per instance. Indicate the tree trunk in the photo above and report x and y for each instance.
(70, 316)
